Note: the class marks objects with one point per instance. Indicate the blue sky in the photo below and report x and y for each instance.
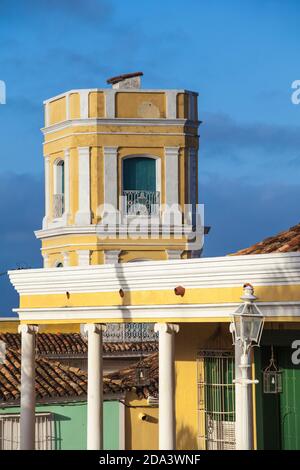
(240, 56)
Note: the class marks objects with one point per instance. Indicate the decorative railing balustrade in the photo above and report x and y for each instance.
(141, 202)
(129, 332)
(58, 205)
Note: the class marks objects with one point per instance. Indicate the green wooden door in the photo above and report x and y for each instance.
(289, 401)
(139, 174)
(278, 415)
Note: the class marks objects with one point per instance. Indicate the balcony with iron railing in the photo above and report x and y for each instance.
(58, 205)
(129, 332)
(144, 203)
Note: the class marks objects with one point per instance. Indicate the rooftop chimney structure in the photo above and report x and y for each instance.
(128, 80)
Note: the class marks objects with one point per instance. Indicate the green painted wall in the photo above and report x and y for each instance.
(71, 420)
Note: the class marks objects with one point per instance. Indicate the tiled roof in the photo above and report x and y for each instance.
(126, 378)
(283, 242)
(74, 344)
(53, 379)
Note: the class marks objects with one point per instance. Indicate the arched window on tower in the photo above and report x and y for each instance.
(59, 189)
(140, 191)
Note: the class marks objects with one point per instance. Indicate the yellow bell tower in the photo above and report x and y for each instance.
(120, 174)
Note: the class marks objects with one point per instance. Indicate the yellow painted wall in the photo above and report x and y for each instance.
(212, 295)
(188, 342)
(74, 105)
(131, 255)
(96, 104)
(141, 105)
(57, 110)
(9, 326)
(140, 435)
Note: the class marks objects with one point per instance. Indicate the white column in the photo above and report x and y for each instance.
(243, 395)
(110, 177)
(171, 96)
(84, 104)
(95, 386)
(83, 215)
(67, 185)
(171, 213)
(46, 103)
(46, 260)
(66, 258)
(167, 429)
(174, 254)
(67, 106)
(83, 257)
(27, 420)
(111, 256)
(47, 192)
(172, 173)
(110, 112)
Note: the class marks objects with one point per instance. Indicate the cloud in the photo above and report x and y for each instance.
(221, 135)
(21, 212)
(241, 213)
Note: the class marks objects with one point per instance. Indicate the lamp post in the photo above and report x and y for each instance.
(246, 328)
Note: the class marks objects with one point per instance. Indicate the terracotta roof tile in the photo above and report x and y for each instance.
(54, 380)
(283, 242)
(126, 378)
(73, 343)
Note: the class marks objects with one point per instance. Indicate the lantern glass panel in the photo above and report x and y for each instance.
(142, 375)
(272, 381)
(248, 327)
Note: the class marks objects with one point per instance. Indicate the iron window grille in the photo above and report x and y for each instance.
(216, 400)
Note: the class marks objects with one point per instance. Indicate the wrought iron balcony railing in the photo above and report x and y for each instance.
(141, 202)
(129, 332)
(58, 205)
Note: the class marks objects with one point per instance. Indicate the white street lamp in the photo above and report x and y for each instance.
(246, 328)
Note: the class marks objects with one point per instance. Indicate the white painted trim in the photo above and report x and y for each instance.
(47, 192)
(174, 254)
(84, 104)
(110, 104)
(183, 312)
(83, 257)
(230, 271)
(46, 107)
(96, 230)
(46, 261)
(83, 215)
(66, 259)
(129, 90)
(111, 256)
(67, 184)
(172, 175)
(110, 155)
(171, 98)
(67, 106)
